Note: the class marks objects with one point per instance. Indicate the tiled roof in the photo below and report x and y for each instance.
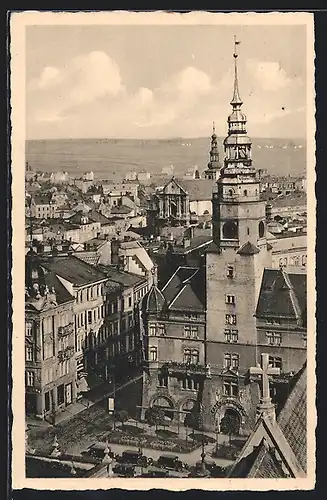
(248, 249)
(124, 278)
(281, 441)
(62, 294)
(40, 199)
(96, 216)
(198, 190)
(186, 289)
(121, 210)
(292, 419)
(260, 463)
(73, 269)
(282, 294)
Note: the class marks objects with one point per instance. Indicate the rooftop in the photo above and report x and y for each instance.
(198, 190)
(122, 277)
(72, 269)
(185, 290)
(282, 293)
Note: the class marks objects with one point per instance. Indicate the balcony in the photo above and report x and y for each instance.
(66, 354)
(188, 369)
(66, 330)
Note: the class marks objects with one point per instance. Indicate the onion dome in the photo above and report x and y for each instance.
(154, 301)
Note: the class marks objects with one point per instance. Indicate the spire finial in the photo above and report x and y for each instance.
(236, 95)
(213, 127)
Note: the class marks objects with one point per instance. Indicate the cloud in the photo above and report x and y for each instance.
(268, 75)
(85, 79)
(49, 77)
(87, 98)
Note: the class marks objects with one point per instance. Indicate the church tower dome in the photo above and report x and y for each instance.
(238, 213)
(214, 165)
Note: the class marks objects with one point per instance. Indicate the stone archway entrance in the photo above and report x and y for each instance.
(234, 413)
(186, 407)
(230, 424)
(166, 405)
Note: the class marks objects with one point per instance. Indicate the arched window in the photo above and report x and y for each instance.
(230, 230)
(248, 231)
(245, 192)
(261, 229)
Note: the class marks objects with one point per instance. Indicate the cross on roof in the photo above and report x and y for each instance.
(265, 370)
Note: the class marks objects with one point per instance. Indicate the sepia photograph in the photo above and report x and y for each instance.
(163, 170)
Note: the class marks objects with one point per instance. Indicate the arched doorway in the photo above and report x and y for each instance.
(230, 423)
(186, 407)
(166, 405)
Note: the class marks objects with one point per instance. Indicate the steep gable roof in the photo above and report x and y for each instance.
(282, 294)
(284, 440)
(186, 289)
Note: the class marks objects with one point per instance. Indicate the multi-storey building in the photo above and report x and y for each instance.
(121, 353)
(86, 284)
(50, 365)
(244, 307)
(43, 206)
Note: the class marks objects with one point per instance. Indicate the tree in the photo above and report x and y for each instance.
(155, 416)
(229, 425)
(122, 416)
(194, 420)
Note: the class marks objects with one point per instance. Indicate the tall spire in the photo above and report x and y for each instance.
(236, 101)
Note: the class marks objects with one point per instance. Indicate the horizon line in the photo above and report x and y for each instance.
(176, 138)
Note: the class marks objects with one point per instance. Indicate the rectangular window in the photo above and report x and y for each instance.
(123, 325)
(275, 362)
(230, 271)
(28, 329)
(231, 336)
(231, 361)
(195, 356)
(61, 394)
(29, 353)
(187, 356)
(230, 299)
(130, 301)
(230, 319)
(190, 331)
(230, 389)
(190, 384)
(152, 329)
(274, 338)
(153, 353)
(47, 401)
(30, 379)
(89, 317)
(130, 320)
(161, 329)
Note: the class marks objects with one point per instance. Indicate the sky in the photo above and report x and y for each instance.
(163, 81)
